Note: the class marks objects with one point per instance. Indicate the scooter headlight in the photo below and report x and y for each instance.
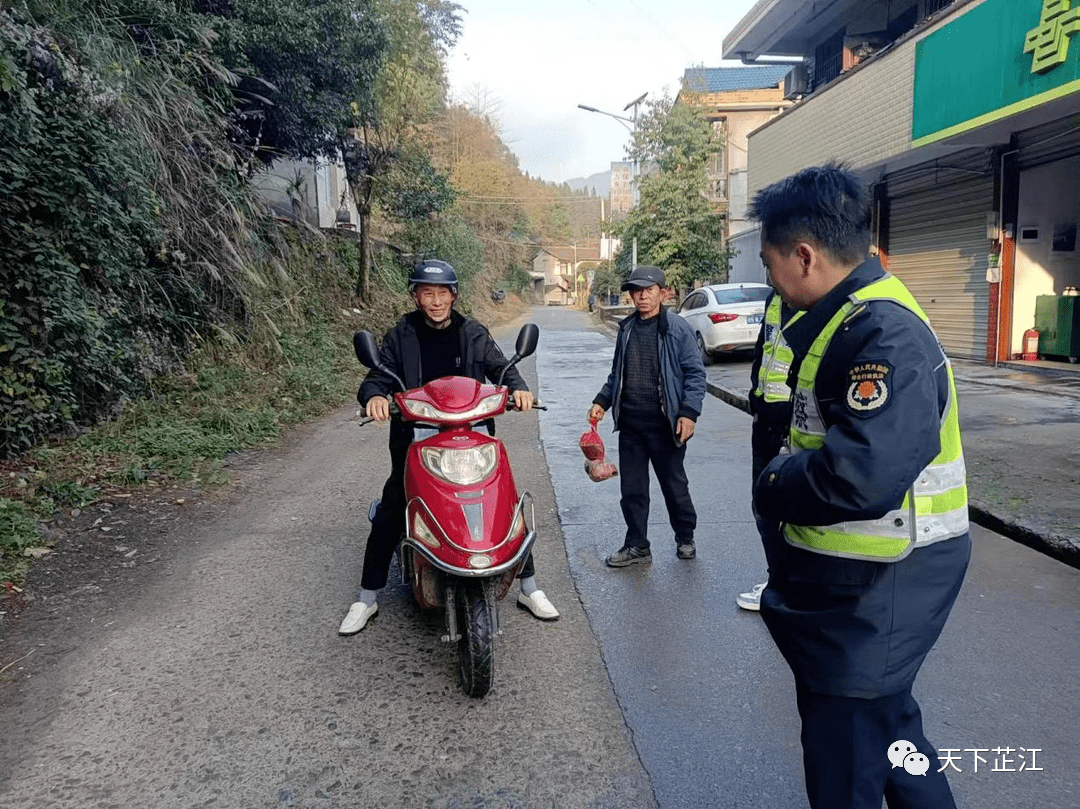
(460, 466)
(422, 410)
(489, 404)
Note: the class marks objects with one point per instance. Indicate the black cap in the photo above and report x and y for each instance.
(644, 276)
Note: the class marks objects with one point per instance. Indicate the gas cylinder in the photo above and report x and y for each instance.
(1031, 345)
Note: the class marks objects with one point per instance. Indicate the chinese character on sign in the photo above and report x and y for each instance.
(1048, 43)
(1006, 759)
(949, 760)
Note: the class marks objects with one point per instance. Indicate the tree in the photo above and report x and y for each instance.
(298, 65)
(413, 189)
(409, 89)
(517, 278)
(675, 227)
(607, 280)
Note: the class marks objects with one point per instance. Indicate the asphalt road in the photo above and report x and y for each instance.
(220, 679)
(217, 677)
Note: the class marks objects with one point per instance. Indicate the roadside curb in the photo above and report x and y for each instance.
(736, 400)
(1053, 545)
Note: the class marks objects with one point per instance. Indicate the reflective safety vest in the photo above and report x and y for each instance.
(776, 357)
(934, 508)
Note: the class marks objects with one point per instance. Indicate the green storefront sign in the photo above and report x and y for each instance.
(1000, 58)
(1048, 43)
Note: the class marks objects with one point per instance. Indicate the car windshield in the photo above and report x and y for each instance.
(742, 294)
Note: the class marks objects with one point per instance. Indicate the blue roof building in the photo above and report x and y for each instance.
(725, 79)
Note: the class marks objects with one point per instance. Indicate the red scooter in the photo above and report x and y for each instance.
(467, 531)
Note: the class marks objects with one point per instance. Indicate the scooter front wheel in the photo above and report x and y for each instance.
(476, 657)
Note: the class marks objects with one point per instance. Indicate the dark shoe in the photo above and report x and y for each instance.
(686, 550)
(627, 556)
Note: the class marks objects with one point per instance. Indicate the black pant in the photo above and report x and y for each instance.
(388, 526)
(846, 743)
(641, 442)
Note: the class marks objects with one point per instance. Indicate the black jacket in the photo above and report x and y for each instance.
(482, 360)
(682, 374)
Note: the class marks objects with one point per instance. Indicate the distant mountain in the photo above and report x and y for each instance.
(601, 182)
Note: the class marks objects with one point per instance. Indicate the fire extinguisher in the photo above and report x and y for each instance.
(1031, 345)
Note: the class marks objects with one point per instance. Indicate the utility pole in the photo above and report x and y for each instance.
(634, 170)
(635, 173)
(636, 196)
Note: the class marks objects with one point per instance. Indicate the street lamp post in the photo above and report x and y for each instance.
(622, 119)
(632, 128)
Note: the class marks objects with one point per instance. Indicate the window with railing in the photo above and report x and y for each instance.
(902, 23)
(829, 59)
(935, 5)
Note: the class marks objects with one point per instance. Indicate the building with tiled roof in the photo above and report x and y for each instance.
(737, 100)
(726, 79)
(559, 267)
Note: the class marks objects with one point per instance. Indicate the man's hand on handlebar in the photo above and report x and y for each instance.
(378, 408)
(523, 400)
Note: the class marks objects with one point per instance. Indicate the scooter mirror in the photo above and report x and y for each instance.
(366, 349)
(526, 345)
(527, 339)
(368, 354)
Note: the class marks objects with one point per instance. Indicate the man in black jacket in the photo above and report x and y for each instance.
(655, 392)
(430, 343)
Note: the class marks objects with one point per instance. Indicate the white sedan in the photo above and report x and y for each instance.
(725, 317)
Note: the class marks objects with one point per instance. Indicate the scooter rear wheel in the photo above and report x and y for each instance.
(476, 657)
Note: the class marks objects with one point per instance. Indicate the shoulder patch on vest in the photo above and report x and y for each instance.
(868, 387)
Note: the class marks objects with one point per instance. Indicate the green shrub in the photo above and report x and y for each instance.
(18, 532)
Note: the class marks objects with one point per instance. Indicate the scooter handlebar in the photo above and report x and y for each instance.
(366, 419)
(395, 410)
(536, 405)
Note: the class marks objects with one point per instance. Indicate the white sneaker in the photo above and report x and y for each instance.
(357, 619)
(751, 600)
(538, 605)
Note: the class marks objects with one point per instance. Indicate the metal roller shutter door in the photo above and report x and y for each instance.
(938, 248)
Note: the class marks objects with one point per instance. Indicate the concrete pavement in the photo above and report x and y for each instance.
(1021, 429)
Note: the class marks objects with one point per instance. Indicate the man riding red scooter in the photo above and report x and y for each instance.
(427, 345)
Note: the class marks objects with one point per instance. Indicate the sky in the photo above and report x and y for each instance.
(535, 62)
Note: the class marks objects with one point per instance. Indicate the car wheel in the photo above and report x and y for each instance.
(706, 358)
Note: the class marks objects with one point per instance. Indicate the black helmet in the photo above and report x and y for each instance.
(433, 272)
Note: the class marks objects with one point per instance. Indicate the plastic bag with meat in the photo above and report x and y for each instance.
(597, 467)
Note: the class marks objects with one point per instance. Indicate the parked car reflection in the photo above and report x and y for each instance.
(725, 317)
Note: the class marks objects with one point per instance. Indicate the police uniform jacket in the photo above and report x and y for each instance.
(854, 627)
(772, 420)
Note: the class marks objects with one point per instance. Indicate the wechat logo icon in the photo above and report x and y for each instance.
(903, 754)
